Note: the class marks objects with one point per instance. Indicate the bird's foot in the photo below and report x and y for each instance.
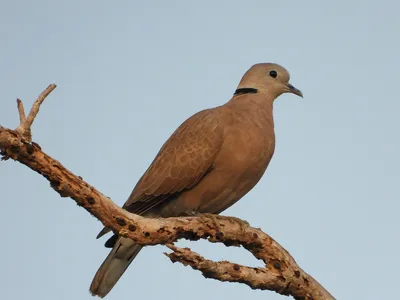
(214, 218)
(242, 223)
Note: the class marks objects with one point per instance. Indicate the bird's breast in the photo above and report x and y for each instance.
(247, 149)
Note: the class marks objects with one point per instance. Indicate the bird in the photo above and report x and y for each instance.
(211, 161)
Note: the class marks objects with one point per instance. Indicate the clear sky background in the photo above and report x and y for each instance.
(129, 72)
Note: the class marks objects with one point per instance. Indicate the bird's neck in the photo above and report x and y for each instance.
(253, 103)
(253, 99)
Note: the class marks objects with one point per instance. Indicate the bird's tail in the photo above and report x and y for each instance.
(111, 270)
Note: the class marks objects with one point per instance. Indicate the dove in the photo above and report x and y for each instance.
(209, 163)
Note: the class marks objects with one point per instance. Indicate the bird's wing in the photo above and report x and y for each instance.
(181, 162)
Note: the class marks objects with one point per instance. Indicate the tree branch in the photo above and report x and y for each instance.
(256, 278)
(280, 274)
(25, 124)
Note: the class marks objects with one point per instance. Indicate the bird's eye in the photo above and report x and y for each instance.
(273, 74)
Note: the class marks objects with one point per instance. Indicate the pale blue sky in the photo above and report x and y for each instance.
(129, 72)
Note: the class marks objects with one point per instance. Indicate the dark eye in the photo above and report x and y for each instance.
(273, 74)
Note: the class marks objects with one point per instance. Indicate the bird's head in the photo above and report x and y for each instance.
(268, 78)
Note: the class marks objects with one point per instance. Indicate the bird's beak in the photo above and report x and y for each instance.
(293, 90)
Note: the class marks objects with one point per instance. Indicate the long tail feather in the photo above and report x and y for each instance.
(111, 270)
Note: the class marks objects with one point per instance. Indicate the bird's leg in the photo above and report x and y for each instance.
(207, 217)
(242, 224)
(214, 218)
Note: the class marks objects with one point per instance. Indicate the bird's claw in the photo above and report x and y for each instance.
(214, 218)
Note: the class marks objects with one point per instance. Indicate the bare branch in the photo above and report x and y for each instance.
(24, 127)
(36, 105)
(281, 273)
(27, 133)
(256, 278)
(21, 111)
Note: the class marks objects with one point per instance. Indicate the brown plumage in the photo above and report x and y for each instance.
(211, 161)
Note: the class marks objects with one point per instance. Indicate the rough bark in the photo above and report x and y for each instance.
(280, 274)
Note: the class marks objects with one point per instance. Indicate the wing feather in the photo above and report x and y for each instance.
(181, 162)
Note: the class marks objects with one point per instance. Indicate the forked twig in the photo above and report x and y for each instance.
(24, 127)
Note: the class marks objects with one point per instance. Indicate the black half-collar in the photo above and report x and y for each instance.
(245, 91)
